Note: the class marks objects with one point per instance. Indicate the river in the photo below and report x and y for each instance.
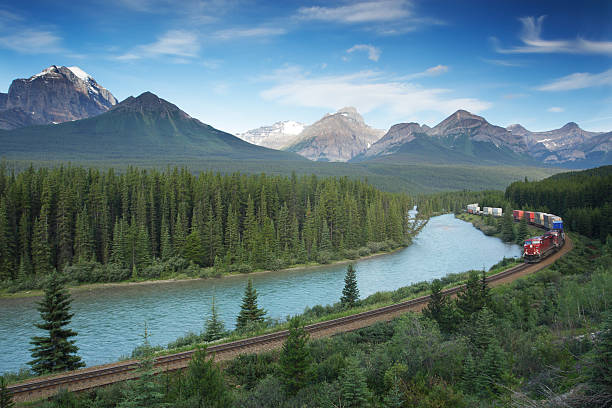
(110, 321)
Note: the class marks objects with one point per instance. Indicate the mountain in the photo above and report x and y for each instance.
(461, 138)
(145, 127)
(276, 136)
(336, 137)
(569, 146)
(55, 95)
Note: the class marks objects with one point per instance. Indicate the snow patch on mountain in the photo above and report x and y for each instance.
(275, 136)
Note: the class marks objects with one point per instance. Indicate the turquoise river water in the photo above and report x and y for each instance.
(110, 320)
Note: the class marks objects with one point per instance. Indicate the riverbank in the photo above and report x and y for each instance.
(183, 277)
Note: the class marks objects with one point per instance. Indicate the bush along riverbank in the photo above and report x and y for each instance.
(142, 225)
(539, 341)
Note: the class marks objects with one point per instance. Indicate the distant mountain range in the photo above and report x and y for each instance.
(142, 127)
(336, 137)
(55, 95)
(462, 138)
(79, 118)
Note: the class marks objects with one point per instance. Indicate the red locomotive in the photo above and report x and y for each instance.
(538, 248)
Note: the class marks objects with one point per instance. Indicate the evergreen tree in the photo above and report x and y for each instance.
(350, 292)
(473, 296)
(83, 241)
(440, 308)
(6, 399)
(523, 231)
(249, 312)
(193, 249)
(215, 329)
(144, 392)
(41, 252)
(507, 231)
(354, 389)
(167, 250)
(205, 383)
(295, 360)
(55, 352)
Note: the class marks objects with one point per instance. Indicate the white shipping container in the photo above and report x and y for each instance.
(497, 212)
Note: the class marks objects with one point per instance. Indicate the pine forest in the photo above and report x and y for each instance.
(102, 226)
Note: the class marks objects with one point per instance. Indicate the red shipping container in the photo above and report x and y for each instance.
(518, 214)
(530, 215)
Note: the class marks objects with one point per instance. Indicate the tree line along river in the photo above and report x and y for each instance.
(110, 320)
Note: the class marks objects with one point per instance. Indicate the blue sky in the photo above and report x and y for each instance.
(239, 64)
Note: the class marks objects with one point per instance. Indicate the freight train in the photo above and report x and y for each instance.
(537, 248)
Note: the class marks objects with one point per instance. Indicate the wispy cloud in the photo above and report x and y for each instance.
(192, 12)
(373, 52)
(24, 37)
(366, 90)
(579, 80)
(385, 17)
(175, 43)
(555, 109)
(502, 63)
(531, 36)
(254, 32)
(362, 12)
(429, 72)
(32, 41)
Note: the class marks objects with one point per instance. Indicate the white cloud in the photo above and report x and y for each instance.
(32, 41)
(502, 63)
(385, 17)
(363, 12)
(174, 43)
(555, 109)
(531, 37)
(373, 52)
(579, 80)
(366, 90)
(429, 72)
(236, 33)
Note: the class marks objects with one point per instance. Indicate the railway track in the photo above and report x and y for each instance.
(98, 376)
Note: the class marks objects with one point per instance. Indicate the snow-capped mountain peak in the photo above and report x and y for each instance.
(275, 136)
(82, 75)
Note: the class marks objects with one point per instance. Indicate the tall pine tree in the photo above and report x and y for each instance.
(350, 293)
(55, 352)
(249, 311)
(295, 359)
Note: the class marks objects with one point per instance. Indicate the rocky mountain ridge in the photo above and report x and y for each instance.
(337, 137)
(476, 140)
(55, 95)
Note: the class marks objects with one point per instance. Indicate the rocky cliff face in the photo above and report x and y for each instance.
(477, 129)
(567, 144)
(276, 136)
(55, 95)
(336, 137)
(396, 137)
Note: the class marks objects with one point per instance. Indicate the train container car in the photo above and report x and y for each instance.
(497, 212)
(518, 214)
(530, 215)
(538, 248)
(487, 210)
(558, 224)
(548, 220)
(538, 218)
(473, 208)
